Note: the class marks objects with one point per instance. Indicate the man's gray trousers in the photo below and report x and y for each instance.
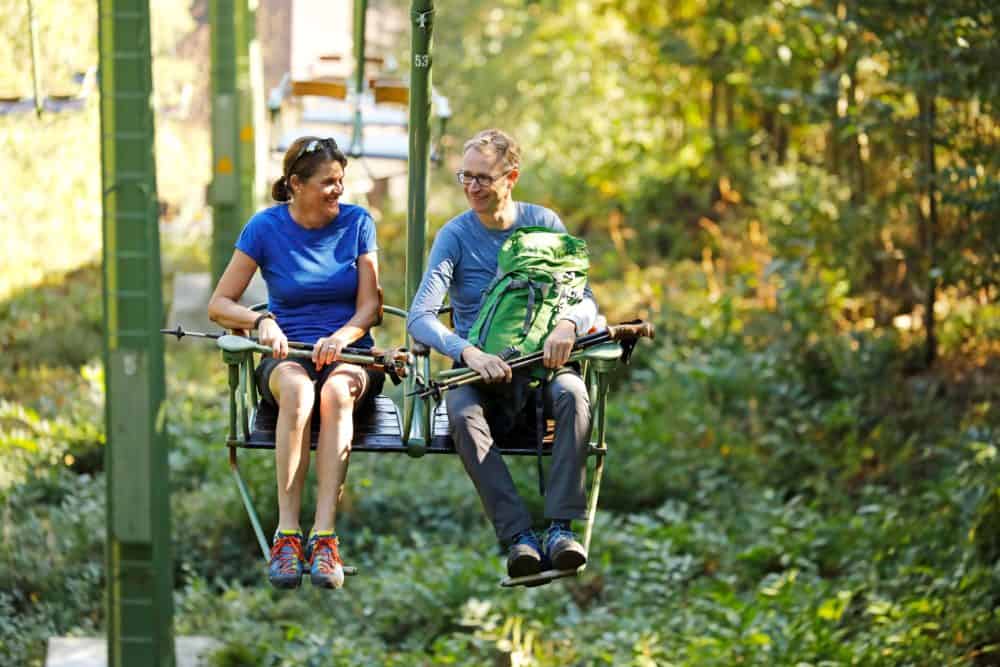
(471, 408)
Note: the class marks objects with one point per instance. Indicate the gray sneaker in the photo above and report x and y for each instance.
(562, 549)
(524, 557)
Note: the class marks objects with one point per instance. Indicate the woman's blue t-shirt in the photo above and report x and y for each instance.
(311, 274)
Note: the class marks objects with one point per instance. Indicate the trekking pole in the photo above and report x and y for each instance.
(180, 332)
(626, 333)
(395, 363)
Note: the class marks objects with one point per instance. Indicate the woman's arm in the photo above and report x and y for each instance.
(367, 305)
(224, 310)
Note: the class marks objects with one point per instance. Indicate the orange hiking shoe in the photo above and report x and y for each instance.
(285, 568)
(326, 569)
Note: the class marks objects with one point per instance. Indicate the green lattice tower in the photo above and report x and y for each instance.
(231, 192)
(139, 563)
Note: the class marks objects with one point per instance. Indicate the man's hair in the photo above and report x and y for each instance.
(498, 143)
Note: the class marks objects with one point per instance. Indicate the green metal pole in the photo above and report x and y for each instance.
(360, 13)
(421, 29)
(139, 563)
(231, 192)
(33, 39)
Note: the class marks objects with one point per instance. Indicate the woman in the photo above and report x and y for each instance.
(318, 259)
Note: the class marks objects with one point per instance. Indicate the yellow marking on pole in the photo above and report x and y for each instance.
(224, 165)
(246, 133)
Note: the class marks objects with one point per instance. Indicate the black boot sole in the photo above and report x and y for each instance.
(569, 559)
(523, 566)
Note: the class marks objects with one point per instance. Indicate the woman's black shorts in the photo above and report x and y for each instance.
(262, 374)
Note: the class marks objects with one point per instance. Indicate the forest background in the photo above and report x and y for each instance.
(802, 195)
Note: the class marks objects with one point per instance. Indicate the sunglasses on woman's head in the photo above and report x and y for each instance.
(314, 145)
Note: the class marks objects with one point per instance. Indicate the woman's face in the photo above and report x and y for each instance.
(319, 195)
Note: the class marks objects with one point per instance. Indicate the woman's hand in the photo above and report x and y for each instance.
(270, 334)
(489, 366)
(327, 349)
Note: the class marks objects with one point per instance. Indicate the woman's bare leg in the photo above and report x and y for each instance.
(339, 393)
(293, 389)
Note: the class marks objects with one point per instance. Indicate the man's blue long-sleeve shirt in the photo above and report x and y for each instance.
(462, 263)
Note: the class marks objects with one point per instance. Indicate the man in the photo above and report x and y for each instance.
(462, 263)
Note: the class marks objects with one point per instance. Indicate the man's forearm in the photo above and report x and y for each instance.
(427, 329)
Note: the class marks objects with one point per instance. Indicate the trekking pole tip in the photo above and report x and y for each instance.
(177, 331)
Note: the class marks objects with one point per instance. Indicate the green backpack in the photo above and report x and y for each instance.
(540, 274)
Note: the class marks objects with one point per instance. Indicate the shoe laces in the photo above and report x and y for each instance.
(527, 537)
(557, 533)
(325, 554)
(286, 552)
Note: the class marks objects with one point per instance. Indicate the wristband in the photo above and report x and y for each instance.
(263, 316)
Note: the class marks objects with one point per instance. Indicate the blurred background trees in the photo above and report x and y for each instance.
(803, 195)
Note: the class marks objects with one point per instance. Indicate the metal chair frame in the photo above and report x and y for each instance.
(382, 430)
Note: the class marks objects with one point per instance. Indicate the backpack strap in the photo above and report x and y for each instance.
(488, 320)
(540, 433)
(529, 312)
(535, 289)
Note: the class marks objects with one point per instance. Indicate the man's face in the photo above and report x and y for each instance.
(487, 199)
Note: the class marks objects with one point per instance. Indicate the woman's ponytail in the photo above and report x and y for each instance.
(279, 191)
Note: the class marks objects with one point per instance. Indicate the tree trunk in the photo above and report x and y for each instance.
(713, 122)
(927, 107)
(859, 191)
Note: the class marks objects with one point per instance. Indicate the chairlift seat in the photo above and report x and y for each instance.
(378, 429)
(332, 88)
(391, 92)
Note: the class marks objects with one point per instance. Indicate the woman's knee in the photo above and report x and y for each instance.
(339, 393)
(295, 398)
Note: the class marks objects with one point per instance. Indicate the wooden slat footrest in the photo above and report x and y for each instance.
(539, 579)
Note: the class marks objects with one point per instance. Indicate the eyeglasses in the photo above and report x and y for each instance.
(314, 145)
(483, 180)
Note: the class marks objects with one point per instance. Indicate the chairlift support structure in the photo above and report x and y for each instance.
(235, 70)
(353, 106)
(39, 103)
(422, 428)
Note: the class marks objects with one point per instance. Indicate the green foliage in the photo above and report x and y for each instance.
(787, 482)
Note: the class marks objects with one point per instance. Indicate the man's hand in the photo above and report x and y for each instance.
(327, 349)
(270, 334)
(559, 344)
(489, 366)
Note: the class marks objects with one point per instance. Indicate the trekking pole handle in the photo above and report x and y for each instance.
(630, 330)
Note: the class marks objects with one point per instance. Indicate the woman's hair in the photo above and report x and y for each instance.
(499, 143)
(302, 159)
